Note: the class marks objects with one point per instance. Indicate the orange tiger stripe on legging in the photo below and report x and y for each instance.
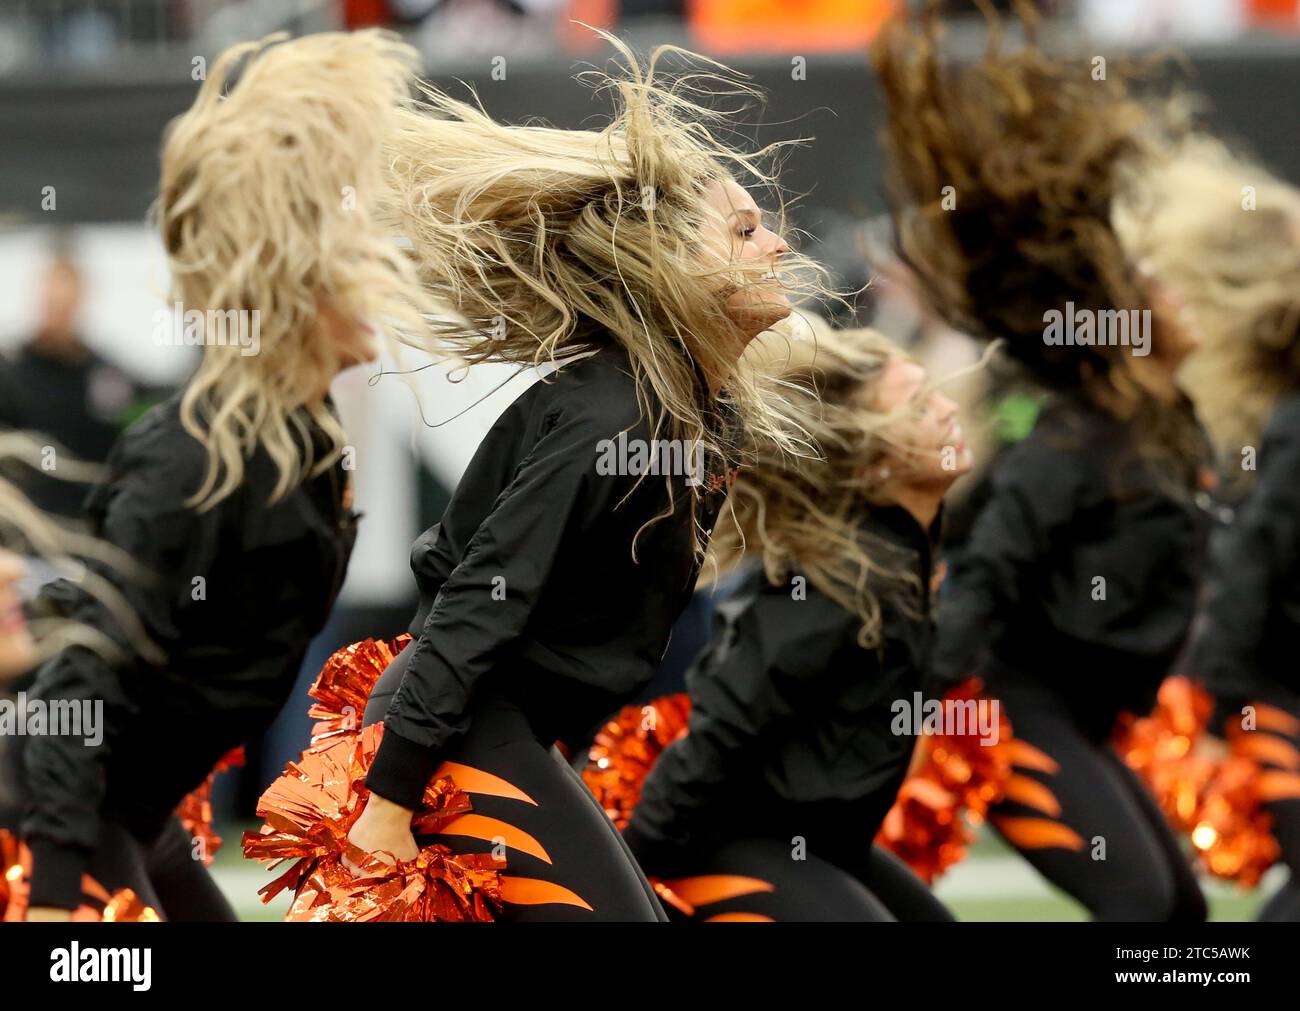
(515, 890)
(738, 918)
(1037, 833)
(1270, 749)
(1277, 720)
(1031, 793)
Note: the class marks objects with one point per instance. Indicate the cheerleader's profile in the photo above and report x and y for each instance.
(768, 806)
(1076, 590)
(633, 260)
(228, 495)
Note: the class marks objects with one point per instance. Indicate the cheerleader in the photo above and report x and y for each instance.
(229, 494)
(767, 808)
(1078, 584)
(1234, 254)
(633, 261)
(17, 648)
(26, 531)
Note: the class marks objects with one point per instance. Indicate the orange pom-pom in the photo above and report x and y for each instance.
(195, 809)
(1233, 832)
(309, 810)
(1161, 748)
(626, 749)
(122, 906)
(1219, 803)
(343, 687)
(954, 780)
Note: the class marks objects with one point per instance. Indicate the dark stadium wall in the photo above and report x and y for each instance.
(97, 144)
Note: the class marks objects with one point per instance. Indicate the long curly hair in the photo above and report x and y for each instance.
(1003, 174)
(273, 200)
(804, 514)
(26, 530)
(1224, 233)
(547, 242)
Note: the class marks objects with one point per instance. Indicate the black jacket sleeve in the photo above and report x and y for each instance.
(1035, 493)
(141, 510)
(752, 680)
(486, 601)
(1260, 548)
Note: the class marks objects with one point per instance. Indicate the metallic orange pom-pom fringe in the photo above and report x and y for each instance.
(309, 810)
(1218, 802)
(122, 906)
(626, 749)
(956, 781)
(195, 809)
(953, 782)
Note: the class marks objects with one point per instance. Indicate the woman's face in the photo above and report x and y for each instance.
(741, 239)
(354, 341)
(17, 649)
(929, 449)
(1174, 331)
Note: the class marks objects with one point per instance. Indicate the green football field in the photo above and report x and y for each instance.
(992, 883)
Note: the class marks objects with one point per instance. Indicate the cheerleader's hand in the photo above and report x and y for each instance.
(383, 831)
(48, 914)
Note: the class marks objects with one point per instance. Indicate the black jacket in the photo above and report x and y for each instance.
(790, 726)
(82, 404)
(1246, 643)
(1082, 572)
(529, 584)
(239, 592)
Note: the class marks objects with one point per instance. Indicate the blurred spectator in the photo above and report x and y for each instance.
(55, 387)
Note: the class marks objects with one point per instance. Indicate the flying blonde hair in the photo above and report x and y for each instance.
(273, 200)
(1232, 255)
(548, 242)
(803, 513)
(26, 530)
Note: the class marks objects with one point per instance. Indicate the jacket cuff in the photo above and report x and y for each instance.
(56, 873)
(401, 770)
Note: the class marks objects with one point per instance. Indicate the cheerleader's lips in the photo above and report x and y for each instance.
(12, 620)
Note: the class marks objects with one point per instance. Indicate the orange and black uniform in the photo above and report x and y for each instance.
(789, 763)
(232, 596)
(1246, 647)
(1072, 599)
(537, 620)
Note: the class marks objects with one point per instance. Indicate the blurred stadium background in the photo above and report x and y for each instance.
(86, 87)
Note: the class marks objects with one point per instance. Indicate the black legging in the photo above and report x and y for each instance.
(762, 879)
(1284, 906)
(587, 856)
(1095, 831)
(164, 875)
